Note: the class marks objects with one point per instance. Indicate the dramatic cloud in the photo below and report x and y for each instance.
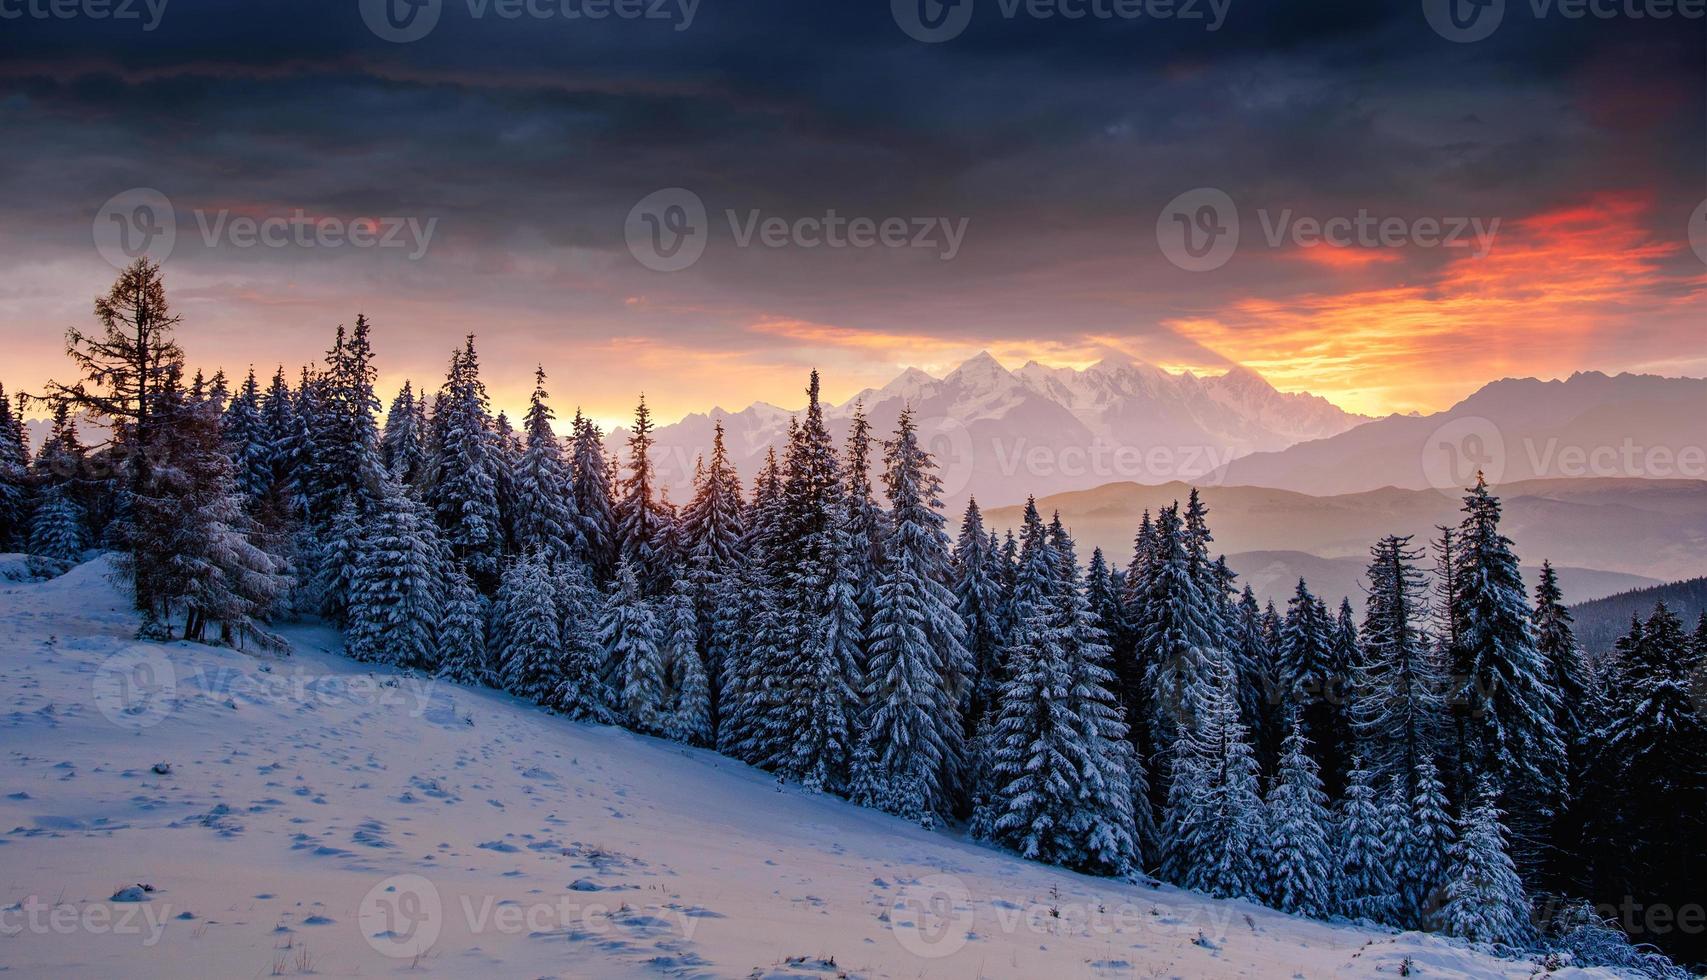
(1052, 145)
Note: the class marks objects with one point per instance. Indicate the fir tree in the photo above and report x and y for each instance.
(545, 519)
(634, 664)
(403, 447)
(461, 636)
(56, 528)
(640, 523)
(978, 601)
(531, 652)
(394, 590)
(581, 691)
(1313, 677)
(248, 442)
(916, 732)
(1485, 900)
(1505, 721)
(1422, 861)
(1214, 816)
(464, 495)
(687, 712)
(1362, 880)
(1295, 844)
(1400, 704)
(14, 476)
(594, 499)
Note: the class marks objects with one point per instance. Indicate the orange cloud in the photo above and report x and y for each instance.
(1557, 290)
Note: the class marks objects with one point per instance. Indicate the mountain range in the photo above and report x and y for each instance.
(1000, 434)
(1605, 535)
(1515, 429)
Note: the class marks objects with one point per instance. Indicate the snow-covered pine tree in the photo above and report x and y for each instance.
(640, 522)
(335, 564)
(1400, 702)
(1485, 900)
(1569, 676)
(687, 707)
(529, 641)
(1362, 879)
(14, 477)
(1298, 874)
(581, 691)
(56, 527)
(464, 495)
(1260, 702)
(978, 601)
(461, 639)
(916, 650)
(712, 526)
(1422, 863)
(403, 447)
(1176, 648)
(1214, 820)
(545, 519)
(1648, 779)
(866, 521)
(281, 433)
(1505, 718)
(345, 465)
(595, 501)
(507, 457)
(188, 536)
(247, 441)
(634, 663)
(1313, 677)
(394, 587)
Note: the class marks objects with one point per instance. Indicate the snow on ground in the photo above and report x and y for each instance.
(274, 816)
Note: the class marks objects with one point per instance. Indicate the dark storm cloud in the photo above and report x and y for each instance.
(1057, 140)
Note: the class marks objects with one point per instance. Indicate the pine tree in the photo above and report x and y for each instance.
(464, 495)
(1422, 861)
(640, 523)
(187, 541)
(687, 712)
(1505, 720)
(594, 499)
(56, 529)
(403, 448)
(712, 527)
(916, 733)
(978, 601)
(1214, 816)
(461, 639)
(634, 664)
(1295, 844)
(14, 476)
(394, 589)
(1313, 676)
(281, 433)
(581, 691)
(545, 519)
(246, 441)
(1485, 900)
(1401, 691)
(1173, 619)
(531, 652)
(1362, 879)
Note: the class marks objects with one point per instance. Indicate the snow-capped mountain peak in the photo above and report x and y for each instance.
(1043, 429)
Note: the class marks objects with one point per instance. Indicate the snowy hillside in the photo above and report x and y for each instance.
(1001, 434)
(305, 814)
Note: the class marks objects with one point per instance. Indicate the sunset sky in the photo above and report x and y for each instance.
(1058, 143)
